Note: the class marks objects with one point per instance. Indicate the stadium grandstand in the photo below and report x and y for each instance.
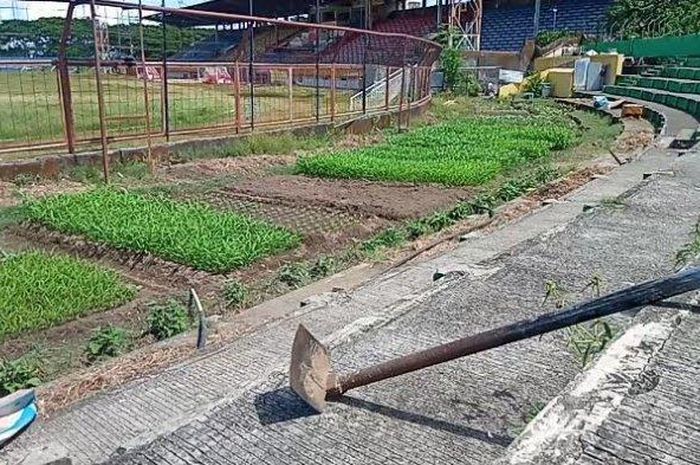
(489, 25)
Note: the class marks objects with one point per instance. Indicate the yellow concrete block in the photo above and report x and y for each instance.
(562, 80)
(614, 62)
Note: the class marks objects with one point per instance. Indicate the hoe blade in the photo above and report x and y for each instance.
(309, 369)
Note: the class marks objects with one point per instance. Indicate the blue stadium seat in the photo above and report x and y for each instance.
(508, 27)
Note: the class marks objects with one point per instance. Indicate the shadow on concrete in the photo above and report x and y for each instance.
(280, 405)
(402, 415)
(679, 306)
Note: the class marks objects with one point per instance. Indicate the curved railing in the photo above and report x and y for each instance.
(279, 74)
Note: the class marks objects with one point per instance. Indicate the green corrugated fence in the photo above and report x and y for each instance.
(671, 46)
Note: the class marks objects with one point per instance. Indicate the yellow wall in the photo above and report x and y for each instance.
(542, 63)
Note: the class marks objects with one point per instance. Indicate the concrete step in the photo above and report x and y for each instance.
(681, 72)
(693, 62)
(689, 103)
(683, 86)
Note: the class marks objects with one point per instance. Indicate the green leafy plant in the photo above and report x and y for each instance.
(235, 294)
(18, 374)
(545, 38)
(534, 85)
(451, 61)
(188, 233)
(107, 342)
(168, 319)
(468, 151)
(650, 18)
(38, 290)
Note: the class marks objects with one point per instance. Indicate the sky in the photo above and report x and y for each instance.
(15, 9)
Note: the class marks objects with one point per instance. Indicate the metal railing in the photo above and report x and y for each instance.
(113, 90)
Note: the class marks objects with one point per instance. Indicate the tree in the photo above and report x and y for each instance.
(40, 38)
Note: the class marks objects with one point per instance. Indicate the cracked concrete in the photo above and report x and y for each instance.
(233, 406)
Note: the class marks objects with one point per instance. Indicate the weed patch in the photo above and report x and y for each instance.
(235, 294)
(691, 250)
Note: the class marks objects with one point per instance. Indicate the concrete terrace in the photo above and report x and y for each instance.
(234, 406)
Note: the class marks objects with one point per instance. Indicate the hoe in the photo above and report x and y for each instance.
(313, 379)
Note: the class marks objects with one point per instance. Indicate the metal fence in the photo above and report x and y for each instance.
(127, 72)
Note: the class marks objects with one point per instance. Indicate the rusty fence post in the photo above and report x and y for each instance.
(237, 95)
(146, 99)
(100, 95)
(290, 86)
(64, 81)
(364, 74)
(165, 98)
(403, 86)
(333, 92)
(386, 88)
(411, 77)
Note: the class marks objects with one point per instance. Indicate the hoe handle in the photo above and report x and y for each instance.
(626, 299)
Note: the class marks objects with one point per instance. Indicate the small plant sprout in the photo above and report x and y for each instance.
(613, 203)
(555, 293)
(595, 284)
(691, 250)
(587, 341)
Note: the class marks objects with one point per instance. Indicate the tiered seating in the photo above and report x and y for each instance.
(211, 50)
(508, 27)
(676, 86)
(350, 48)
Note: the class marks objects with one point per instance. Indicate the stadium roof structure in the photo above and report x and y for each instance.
(266, 8)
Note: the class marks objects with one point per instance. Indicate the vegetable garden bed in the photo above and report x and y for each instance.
(38, 290)
(464, 152)
(191, 234)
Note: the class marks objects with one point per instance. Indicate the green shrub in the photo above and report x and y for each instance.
(235, 294)
(167, 320)
(534, 85)
(18, 374)
(545, 38)
(107, 342)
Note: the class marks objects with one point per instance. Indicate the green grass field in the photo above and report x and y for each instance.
(38, 290)
(31, 111)
(459, 152)
(187, 233)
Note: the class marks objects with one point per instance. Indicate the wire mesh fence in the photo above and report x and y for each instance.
(112, 71)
